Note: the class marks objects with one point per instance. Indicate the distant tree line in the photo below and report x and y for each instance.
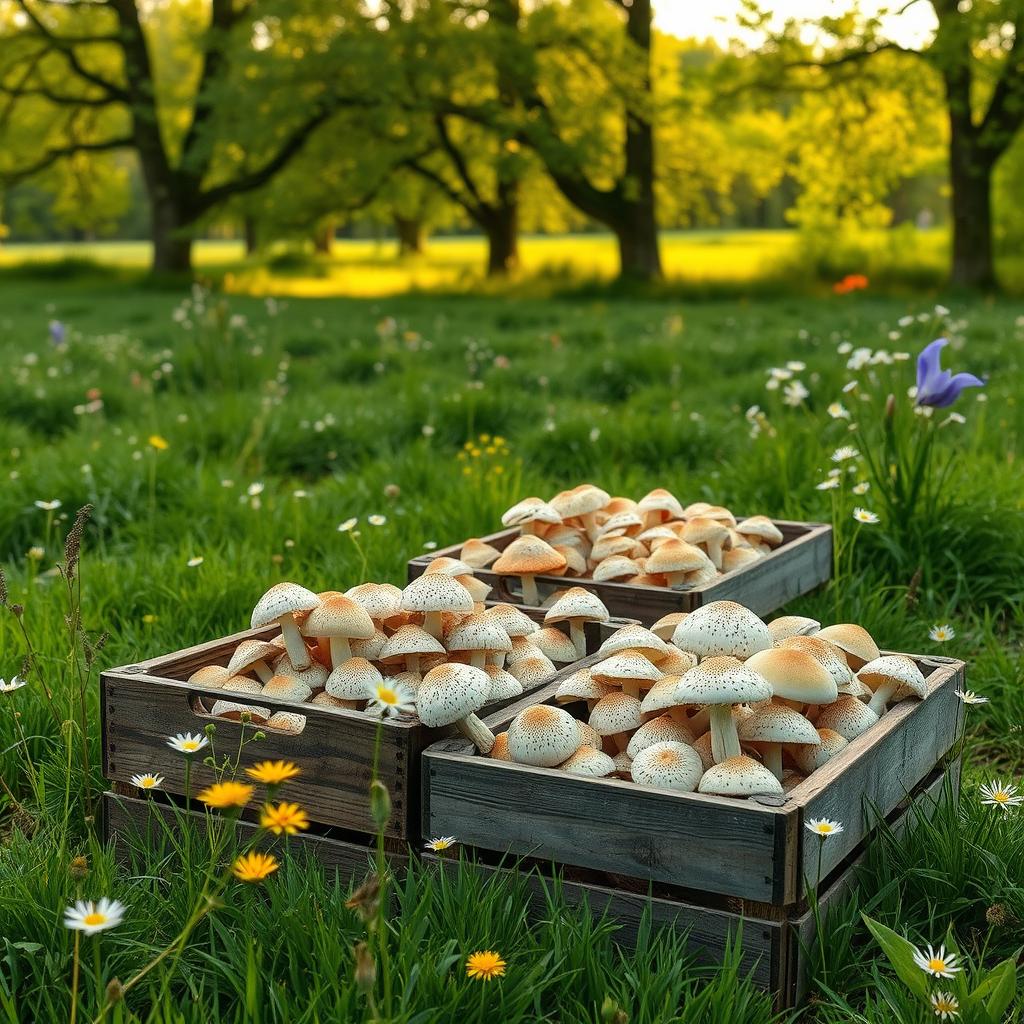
(289, 118)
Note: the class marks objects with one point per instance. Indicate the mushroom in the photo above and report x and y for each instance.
(286, 721)
(792, 625)
(450, 694)
(324, 699)
(847, 716)
(581, 685)
(478, 590)
(252, 656)
(709, 532)
(675, 662)
(668, 765)
(663, 729)
(530, 514)
(525, 557)
(453, 567)
(370, 647)
(543, 736)
(674, 559)
(635, 637)
(739, 776)
(434, 593)
(479, 636)
(408, 645)
(478, 553)
(829, 657)
(626, 523)
(662, 698)
(795, 676)
(504, 685)
(889, 673)
(354, 679)
(339, 619)
(702, 746)
(761, 530)
(553, 644)
(314, 677)
(283, 603)
(628, 670)
(616, 715)
(623, 765)
(854, 641)
(608, 546)
(582, 503)
(233, 711)
(659, 506)
(575, 563)
(287, 688)
(666, 625)
(577, 607)
(737, 558)
(500, 749)
(532, 670)
(587, 760)
(773, 726)
(718, 683)
(381, 601)
(616, 567)
(722, 627)
(808, 757)
(213, 677)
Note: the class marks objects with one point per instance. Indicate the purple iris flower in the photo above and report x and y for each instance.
(938, 387)
(58, 333)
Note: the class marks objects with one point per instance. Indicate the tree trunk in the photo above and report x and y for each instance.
(502, 228)
(172, 243)
(637, 234)
(251, 239)
(970, 176)
(411, 235)
(323, 239)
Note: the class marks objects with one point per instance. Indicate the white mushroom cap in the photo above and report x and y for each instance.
(478, 632)
(553, 644)
(615, 544)
(532, 669)
(580, 501)
(380, 600)
(370, 647)
(543, 736)
(635, 637)
(353, 680)
(626, 666)
(739, 776)
(792, 625)
(435, 592)
(407, 640)
(660, 500)
(615, 713)
(722, 627)
(847, 716)
(315, 677)
(283, 599)
(658, 730)
(588, 761)
(666, 625)
(808, 758)
(530, 510)
(324, 699)
(776, 723)
(722, 680)
(214, 676)
(449, 567)
(795, 675)
(616, 567)
(737, 558)
(853, 640)
(504, 685)
(762, 528)
(662, 696)
(450, 692)
(621, 522)
(512, 620)
(478, 590)
(702, 746)
(287, 688)
(668, 765)
(478, 553)
(229, 709)
(676, 662)
(577, 603)
(247, 653)
(589, 737)
(286, 721)
(676, 556)
(829, 657)
(581, 685)
(338, 616)
(894, 668)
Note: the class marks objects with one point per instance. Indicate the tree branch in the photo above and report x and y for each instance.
(456, 158)
(413, 164)
(53, 155)
(1005, 113)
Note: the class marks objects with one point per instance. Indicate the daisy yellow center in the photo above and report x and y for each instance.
(824, 829)
(387, 696)
(148, 781)
(441, 844)
(1000, 796)
(935, 964)
(94, 919)
(945, 1004)
(189, 745)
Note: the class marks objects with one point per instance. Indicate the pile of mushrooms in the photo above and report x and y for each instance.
(715, 701)
(452, 653)
(585, 532)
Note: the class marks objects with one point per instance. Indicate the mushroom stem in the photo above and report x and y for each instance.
(340, 650)
(499, 659)
(715, 553)
(590, 525)
(631, 687)
(578, 636)
(529, 529)
(476, 732)
(725, 742)
(773, 758)
(478, 658)
(881, 697)
(675, 579)
(432, 624)
(263, 670)
(699, 723)
(530, 590)
(293, 642)
(678, 714)
(811, 712)
(412, 663)
(621, 740)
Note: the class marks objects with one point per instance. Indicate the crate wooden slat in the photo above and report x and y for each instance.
(145, 703)
(754, 850)
(799, 564)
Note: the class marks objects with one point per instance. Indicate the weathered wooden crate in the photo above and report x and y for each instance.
(756, 851)
(799, 564)
(774, 948)
(144, 703)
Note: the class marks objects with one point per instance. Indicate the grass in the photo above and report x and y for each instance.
(243, 431)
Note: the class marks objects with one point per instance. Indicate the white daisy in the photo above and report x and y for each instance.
(862, 515)
(970, 697)
(796, 366)
(48, 506)
(376, 520)
(824, 827)
(996, 794)
(861, 488)
(430, 545)
(828, 485)
(945, 1004)
(187, 742)
(392, 699)
(349, 524)
(195, 562)
(795, 393)
(90, 918)
(255, 490)
(844, 453)
(838, 411)
(147, 781)
(939, 965)
(15, 684)
(440, 843)
(940, 634)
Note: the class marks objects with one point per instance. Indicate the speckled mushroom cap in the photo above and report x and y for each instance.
(666, 625)
(621, 523)
(668, 765)
(722, 627)
(449, 567)
(575, 563)
(215, 676)
(676, 556)
(617, 712)
(703, 530)
(580, 501)
(450, 692)
(616, 544)
(478, 553)
(762, 528)
(324, 699)
(587, 760)
(656, 535)
(286, 688)
(635, 637)
(314, 677)
(543, 736)
(408, 640)
(247, 653)
(370, 647)
(660, 500)
(533, 669)
(740, 776)
(616, 567)
(436, 592)
(568, 536)
(808, 758)
(338, 616)
(528, 556)
(522, 648)
(792, 625)
(829, 657)
(380, 600)
(795, 675)
(847, 716)
(577, 603)
(283, 599)
(240, 684)
(852, 640)
(737, 558)
(894, 668)
(626, 666)
(353, 680)
(512, 620)
(286, 721)
(504, 685)
(478, 590)
(553, 644)
(664, 729)
(719, 513)
(478, 632)
(675, 662)
(500, 749)
(581, 685)
(530, 510)
(721, 680)
(589, 737)
(662, 696)
(776, 723)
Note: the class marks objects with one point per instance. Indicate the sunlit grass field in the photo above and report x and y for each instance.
(222, 440)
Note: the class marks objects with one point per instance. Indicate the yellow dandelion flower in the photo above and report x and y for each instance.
(255, 866)
(287, 818)
(272, 773)
(485, 438)
(498, 469)
(159, 443)
(227, 794)
(484, 965)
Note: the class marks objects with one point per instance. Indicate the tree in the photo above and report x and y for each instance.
(83, 76)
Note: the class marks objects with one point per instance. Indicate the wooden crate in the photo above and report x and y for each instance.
(799, 564)
(774, 948)
(143, 704)
(756, 850)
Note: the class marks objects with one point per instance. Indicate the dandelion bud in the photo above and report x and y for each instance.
(245, 717)
(366, 969)
(115, 991)
(365, 901)
(18, 610)
(997, 915)
(392, 491)
(890, 407)
(210, 730)
(259, 736)
(380, 803)
(78, 869)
